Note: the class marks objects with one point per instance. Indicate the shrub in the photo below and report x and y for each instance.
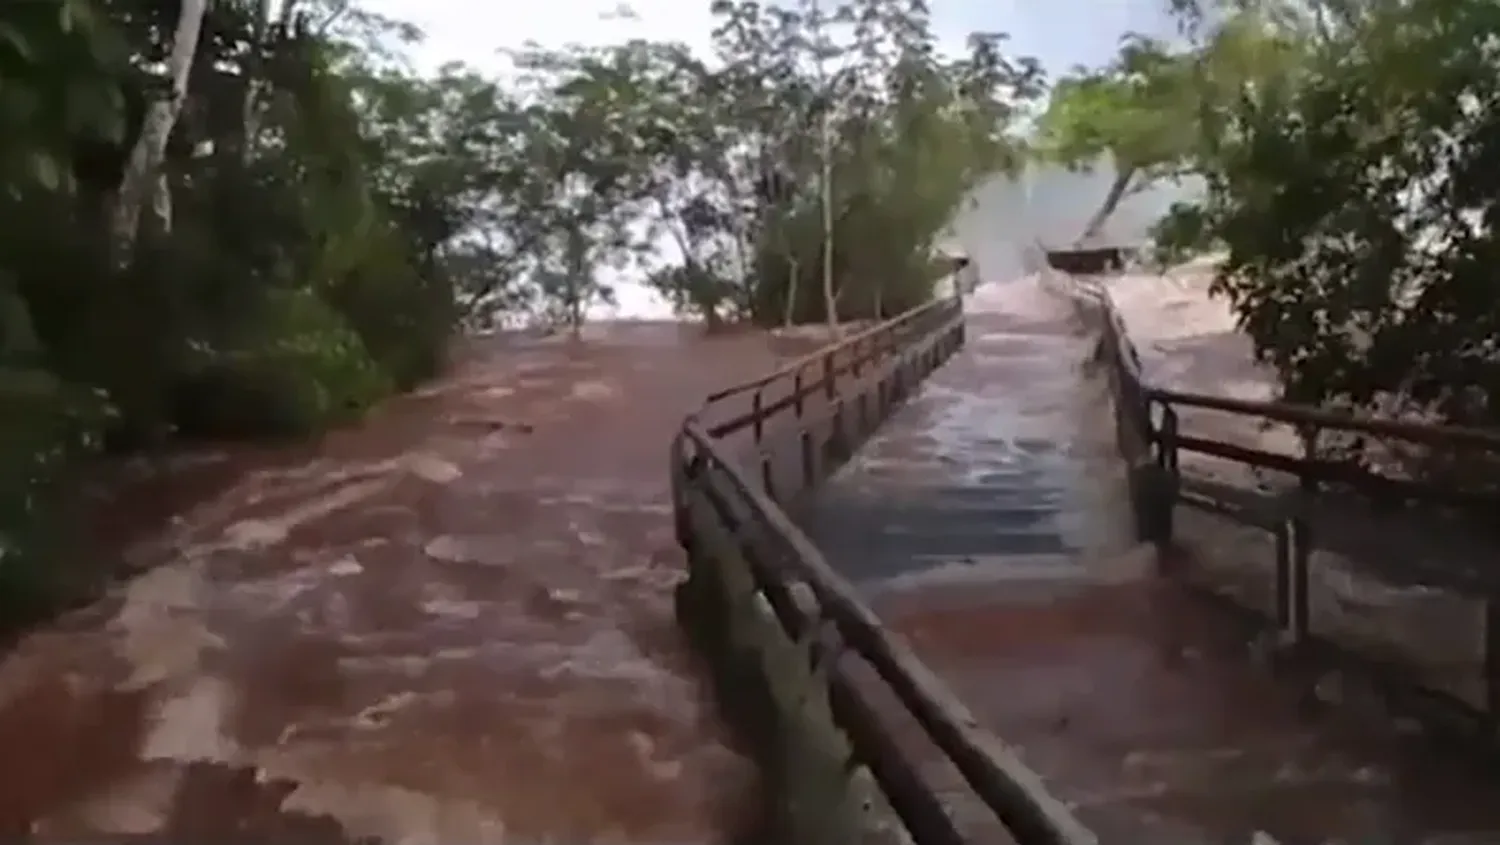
(307, 371)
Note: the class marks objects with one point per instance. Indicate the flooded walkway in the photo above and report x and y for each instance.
(452, 624)
(999, 468)
(985, 524)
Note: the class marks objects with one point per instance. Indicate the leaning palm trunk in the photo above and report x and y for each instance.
(793, 270)
(142, 176)
(1112, 200)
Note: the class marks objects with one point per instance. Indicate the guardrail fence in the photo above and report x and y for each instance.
(1311, 514)
(781, 628)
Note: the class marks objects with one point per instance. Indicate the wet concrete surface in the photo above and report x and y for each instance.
(986, 524)
(993, 461)
(452, 623)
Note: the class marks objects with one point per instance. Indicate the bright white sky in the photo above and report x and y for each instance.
(1061, 33)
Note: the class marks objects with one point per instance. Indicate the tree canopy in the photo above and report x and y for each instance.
(1346, 148)
(253, 217)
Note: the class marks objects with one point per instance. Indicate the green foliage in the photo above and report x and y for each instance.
(1354, 196)
(775, 227)
(309, 369)
(300, 238)
(1138, 114)
(1138, 110)
(1157, 112)
(284, 295)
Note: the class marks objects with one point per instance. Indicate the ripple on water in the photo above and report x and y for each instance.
(494, 550)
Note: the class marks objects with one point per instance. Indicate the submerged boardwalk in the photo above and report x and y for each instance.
(985, 468)
(985, 523)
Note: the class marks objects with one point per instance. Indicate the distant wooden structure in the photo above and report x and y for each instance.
(1091, 261)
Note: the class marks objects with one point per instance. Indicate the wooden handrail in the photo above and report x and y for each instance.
(1297, 522)
(701, 455)
(812, 358)
(1015, 793)
(1431, 434)
(1303, 415)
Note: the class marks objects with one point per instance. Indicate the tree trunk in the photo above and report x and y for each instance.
(579, 273)
(830, 300)
(249, 124)
(146, 156)
(161, 203)
(794, 271)
(825, 150)
(1111, 202)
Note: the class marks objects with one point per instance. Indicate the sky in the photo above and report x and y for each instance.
(1061, 33)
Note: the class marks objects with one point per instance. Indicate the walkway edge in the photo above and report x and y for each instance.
(1302, 523)
(748, 560)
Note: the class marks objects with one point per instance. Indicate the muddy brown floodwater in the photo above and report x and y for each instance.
(452, 624)
(987, 523)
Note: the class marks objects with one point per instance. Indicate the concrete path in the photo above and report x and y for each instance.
(985, 524)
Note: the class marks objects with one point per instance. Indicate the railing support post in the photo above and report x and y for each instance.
(1154, 483)
(1299, 543)
(684, 471)
(1170, 474)
(757, 407)
(1283, 575)
(809, 460)
(1492, 662)
(1299, 616)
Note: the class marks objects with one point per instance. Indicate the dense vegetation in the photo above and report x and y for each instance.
(250, 217)
(1351, 154)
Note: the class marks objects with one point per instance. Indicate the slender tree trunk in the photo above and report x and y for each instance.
(830, 300)
(578, 277)
(793, 273)
(1111, 202)
(254, 67)
(825, 186)
(161, 202)
(141, 170)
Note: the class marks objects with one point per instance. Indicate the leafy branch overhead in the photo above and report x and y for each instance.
(1139, 114)
(1346, 151)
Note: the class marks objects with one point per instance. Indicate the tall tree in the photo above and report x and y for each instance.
(143, 175)
(1351, 196)
(1138, 115)
(338, 214)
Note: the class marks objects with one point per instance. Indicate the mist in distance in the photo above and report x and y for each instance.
(1006, 216)
(1003, 219)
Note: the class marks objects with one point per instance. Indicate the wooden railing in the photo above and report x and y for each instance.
(1302, 517)
(783, 631)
